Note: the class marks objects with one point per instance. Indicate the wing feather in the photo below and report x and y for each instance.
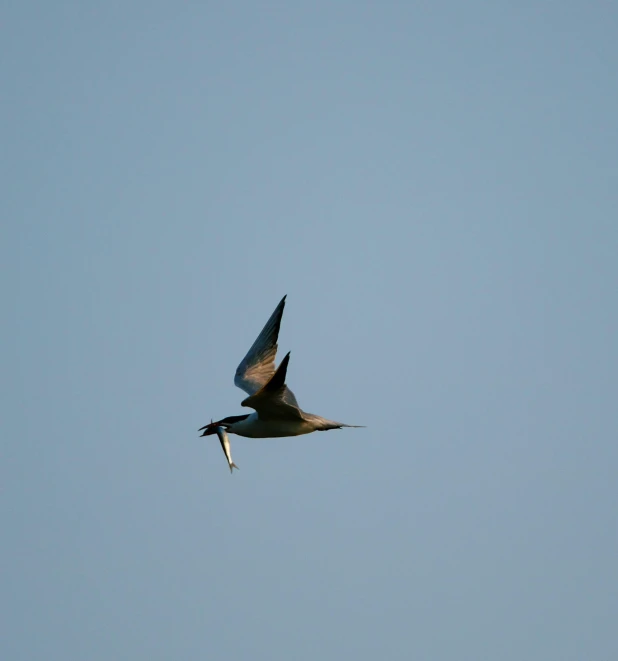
(275, 399)
(258, 366)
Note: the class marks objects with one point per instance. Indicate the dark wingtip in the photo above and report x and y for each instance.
(278, 378)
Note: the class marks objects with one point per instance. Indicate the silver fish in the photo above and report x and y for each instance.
(227, 449)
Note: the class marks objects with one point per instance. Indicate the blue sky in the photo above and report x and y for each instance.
(434, 185)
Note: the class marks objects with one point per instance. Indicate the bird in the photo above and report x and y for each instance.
(276, 410)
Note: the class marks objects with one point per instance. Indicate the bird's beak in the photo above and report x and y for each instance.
(209, 429)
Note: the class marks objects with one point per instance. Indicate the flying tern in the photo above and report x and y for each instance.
(277, 412)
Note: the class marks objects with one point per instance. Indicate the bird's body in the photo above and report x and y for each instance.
(277, 412)
(252, 426)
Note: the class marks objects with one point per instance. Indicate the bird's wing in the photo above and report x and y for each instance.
(258, 366)
(274, 399)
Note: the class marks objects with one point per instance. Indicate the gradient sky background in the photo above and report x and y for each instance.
(435, 187)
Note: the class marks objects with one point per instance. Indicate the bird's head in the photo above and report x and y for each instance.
(227, 423)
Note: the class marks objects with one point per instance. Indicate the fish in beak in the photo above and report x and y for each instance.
(225, 445)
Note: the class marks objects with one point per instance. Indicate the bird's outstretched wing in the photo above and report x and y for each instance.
(258, 366)
(274, 399)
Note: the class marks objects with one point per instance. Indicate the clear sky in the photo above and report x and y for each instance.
(435, 187)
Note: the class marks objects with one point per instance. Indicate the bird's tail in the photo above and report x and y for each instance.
(323, 424)
(232, 466)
